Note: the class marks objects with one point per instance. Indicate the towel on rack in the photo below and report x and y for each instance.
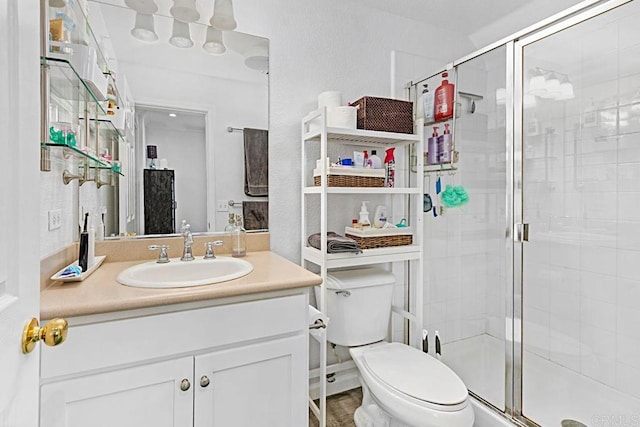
(256, 215)
(256, 162)
(336, 243)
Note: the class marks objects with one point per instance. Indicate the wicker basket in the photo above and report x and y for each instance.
(350, 181)
(384, 114)
(382, 241)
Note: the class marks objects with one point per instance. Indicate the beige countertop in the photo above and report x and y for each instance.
(100, 293)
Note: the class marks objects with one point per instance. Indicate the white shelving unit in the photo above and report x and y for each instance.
(407, 197)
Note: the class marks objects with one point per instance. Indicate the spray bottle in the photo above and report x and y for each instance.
(390, 168)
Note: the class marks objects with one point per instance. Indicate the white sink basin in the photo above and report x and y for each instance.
(181, 274)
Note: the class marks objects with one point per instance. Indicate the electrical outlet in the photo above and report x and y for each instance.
(222, 206)
(55, 219)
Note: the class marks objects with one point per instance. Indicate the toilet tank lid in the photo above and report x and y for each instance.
(359, 278)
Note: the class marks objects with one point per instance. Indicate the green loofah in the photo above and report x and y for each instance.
(454, 196)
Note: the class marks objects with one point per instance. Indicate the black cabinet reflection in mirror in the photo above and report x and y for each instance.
(159, 201)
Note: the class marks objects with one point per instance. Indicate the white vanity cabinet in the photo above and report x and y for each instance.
(239, 364)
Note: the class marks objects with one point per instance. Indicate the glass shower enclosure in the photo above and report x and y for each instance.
(534, 285)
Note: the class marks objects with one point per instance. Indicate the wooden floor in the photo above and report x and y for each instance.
(340, 409)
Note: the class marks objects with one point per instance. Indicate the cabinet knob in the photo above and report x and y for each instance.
(52, 334)
(204, 381)
(185, 384)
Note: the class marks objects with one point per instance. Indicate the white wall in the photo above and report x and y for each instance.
(318, 46)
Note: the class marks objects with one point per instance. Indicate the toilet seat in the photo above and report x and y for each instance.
(416, 375)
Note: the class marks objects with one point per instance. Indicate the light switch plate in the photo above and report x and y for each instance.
(55, 219)
(222, 206)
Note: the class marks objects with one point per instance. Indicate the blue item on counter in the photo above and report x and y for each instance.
(71, 271)
(346, 162)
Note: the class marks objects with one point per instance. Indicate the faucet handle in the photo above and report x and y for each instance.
(163, 258)
(209, 252)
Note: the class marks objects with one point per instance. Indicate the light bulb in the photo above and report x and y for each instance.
(181, 36)
(214, 43)
(222, 18)
(144, 28)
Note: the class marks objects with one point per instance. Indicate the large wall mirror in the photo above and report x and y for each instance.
(198, 147)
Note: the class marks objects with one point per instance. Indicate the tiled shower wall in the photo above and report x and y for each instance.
(582, 195)
(465, 247)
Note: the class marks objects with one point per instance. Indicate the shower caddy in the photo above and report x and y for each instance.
(406, 198)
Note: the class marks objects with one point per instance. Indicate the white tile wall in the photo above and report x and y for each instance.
(582, 196)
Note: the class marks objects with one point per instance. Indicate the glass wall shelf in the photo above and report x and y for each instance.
(69, 151)
(66, 84)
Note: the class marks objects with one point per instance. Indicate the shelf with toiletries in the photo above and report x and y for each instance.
(344, 166)
(438, 105)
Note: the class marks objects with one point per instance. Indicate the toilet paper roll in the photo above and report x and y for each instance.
(342, 117)
(330, 99)
(315, 314)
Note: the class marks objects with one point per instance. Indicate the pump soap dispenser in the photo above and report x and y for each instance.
(364, 216)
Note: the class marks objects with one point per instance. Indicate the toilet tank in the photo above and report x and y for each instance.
(358, 305)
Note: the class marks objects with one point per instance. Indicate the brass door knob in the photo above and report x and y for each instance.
(53, 333)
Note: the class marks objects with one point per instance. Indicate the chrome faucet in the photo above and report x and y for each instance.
(185, 229)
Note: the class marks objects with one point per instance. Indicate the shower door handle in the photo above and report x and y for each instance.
(522, 233)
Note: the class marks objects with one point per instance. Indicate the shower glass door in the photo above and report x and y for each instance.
(579, 87)
(466, 249)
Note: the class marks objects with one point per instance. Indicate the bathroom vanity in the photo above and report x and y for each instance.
(230, 354)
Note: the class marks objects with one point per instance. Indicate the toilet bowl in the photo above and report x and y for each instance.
(403, 387)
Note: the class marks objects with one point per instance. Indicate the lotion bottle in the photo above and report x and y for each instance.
(432, 147)
(444, 145)
(444, 99)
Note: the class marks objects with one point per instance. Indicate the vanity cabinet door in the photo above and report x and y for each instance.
(148, 395)
(262, 385)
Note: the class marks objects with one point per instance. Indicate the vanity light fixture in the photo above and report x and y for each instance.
(214, 42)
(148, 7)
(222, 18)
(181, 36)
(185, 11)
(537, 84)
(172, 114)
(144, 28)
(552, 85)
(566, 90)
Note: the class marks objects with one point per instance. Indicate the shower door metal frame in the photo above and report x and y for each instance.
(515, 410)
(514, 200)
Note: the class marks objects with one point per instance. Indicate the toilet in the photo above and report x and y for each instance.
(401, 386)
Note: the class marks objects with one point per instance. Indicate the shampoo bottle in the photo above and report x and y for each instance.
(380, 217)
(432, 147)
(390, 168)
(444, 99)
(444, 145)
(376, 162)
(427, 103)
